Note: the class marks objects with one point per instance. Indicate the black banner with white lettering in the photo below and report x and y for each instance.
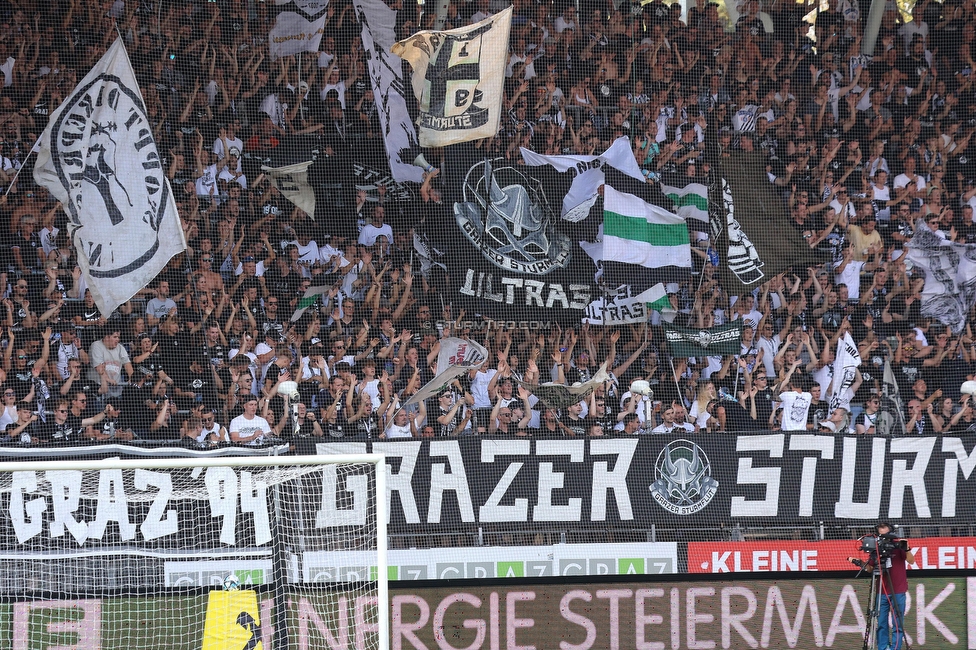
(507, 251)
(463, 484)
(702, 481)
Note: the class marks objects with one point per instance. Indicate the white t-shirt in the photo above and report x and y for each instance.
(902, 180)
(247, 428)
(307, 256)
(339, 88)
(396, 431)
(207, 184)
(275, 108)
(770, 346)
(852, 278)
(48, 238)
(479, 388)
(795, 407)
(370, 233)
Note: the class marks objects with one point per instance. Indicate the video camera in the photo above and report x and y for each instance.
(879, 548)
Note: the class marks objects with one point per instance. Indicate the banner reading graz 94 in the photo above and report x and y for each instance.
(705, 481)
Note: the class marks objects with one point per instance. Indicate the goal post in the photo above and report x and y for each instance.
(282, 552)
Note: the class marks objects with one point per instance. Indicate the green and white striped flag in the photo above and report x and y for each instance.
(643, 244)
(690, 201)
(645, 247)
(310, 298)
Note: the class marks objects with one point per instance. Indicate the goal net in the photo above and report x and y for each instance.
(286, 553)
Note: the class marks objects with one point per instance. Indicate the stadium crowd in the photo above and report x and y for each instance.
(863, 150)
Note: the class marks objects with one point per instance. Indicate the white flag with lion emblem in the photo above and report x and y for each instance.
(98, 157)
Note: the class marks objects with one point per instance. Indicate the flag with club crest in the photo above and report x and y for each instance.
(99, 158)
(459, 79)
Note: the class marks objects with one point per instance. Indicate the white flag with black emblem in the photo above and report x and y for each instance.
(98, 157)
(459, 79)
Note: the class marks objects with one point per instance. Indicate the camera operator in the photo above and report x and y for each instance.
(896, 556)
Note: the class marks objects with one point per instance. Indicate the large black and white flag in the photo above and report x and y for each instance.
(588, 174)
(386, 75)
(459, 79)
(99, 158)
(742, 204)
(298, 27)
(950, 276)
(891, 417)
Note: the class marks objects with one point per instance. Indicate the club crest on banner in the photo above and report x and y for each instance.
(504, 214)
(683, 482)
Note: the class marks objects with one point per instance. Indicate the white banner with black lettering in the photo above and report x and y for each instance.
(298, 27)
(98, 157)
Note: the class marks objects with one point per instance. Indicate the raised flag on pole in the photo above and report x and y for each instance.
(690, 199)
(378, 33)
(310, 298)
(292, 182)
(643, 244)
(298, 27)
(98, 157)
(459, 79)
(891, 416)
(455, 357)
(844, 372)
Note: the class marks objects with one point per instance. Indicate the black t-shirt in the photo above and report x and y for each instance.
(818, 412)
(275, 328)
(201, 385)
(450, 429)
(173, 351)
(68, 433)
(368, 427)
(578, 427)
(764, 407)
(906, 374)
(135, 414)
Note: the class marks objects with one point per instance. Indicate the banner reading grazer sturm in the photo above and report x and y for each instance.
(458, 79)
(98, 157)
(704, 342)
(298, 27)
(776, 478)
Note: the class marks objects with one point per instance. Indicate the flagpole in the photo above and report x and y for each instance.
(24, 164)
(674, 376)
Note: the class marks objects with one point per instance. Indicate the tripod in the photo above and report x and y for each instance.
(871, 629)
(877, 590)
